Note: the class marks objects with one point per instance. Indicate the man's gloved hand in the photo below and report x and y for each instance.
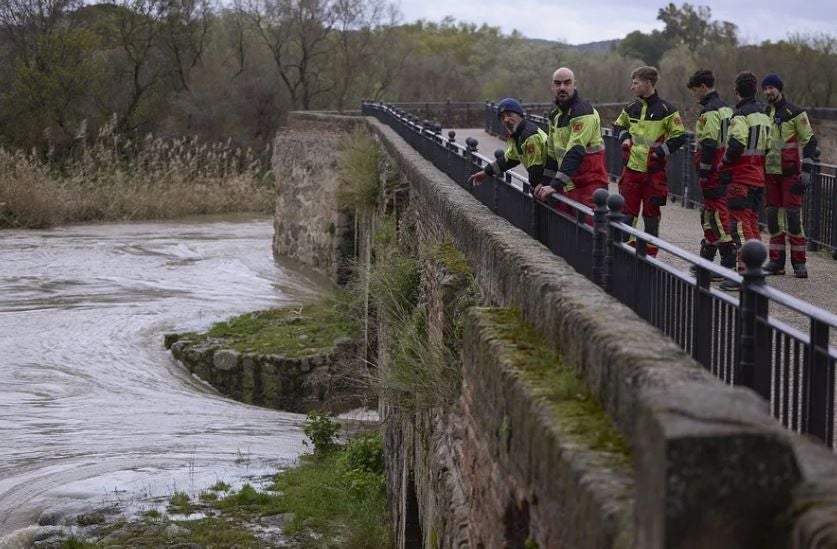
(660, 151)
(803, 183)
(544, 192)
(626, 150)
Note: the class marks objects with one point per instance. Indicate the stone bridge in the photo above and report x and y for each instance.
(576, 424)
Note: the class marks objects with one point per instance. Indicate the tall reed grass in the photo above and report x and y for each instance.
(118, 179)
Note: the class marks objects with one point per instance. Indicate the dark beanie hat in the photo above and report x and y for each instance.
(772, 79)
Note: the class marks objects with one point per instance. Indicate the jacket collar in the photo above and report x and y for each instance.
(708, 97)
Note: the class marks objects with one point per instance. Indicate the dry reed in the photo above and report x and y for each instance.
(116, 179)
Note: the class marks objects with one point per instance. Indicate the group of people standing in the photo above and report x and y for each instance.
(744, 155)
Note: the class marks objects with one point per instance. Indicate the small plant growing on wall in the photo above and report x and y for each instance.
(321, 430)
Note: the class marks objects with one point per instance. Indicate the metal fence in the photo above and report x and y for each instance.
(736, 338)
(819, 209)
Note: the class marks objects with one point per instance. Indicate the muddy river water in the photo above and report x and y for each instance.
(93, 410)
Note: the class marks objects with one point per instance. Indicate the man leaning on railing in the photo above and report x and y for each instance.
(526, 145)
(576, 154)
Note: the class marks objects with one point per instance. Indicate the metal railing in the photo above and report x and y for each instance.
(819, 208)
(736, 339)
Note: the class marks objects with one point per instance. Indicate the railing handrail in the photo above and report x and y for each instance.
(778, 296)
(739, 339)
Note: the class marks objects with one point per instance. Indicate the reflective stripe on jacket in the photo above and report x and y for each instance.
(576, 147)
(747, 143)
(527, 146)
(711, 132)
(790, 129)
(650, 121)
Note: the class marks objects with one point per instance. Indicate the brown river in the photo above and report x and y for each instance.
(94, 412)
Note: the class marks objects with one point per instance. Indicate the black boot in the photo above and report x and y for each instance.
(799, 270)
(774, 268)
(729, 258)
(707, 252)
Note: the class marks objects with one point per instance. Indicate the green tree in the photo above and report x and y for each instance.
(647, 47)
(693, 26)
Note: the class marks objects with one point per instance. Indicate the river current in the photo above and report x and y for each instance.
(93, 410)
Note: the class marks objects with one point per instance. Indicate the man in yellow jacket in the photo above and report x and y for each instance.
(787, 177)
(576, 152)
(650, 130)
(526, 144)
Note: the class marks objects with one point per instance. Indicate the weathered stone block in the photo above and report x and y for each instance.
(225, 360)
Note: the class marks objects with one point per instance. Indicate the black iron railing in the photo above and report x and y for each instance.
(739, 339)
(819, 208)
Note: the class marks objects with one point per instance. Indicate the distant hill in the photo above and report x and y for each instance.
(600, 46)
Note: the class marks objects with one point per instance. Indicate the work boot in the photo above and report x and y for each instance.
(730, 286)
(776, 268)
(707, 252)
(799, 270)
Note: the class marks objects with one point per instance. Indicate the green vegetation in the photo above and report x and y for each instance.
(423, 372)
(341, 496)
(292, 332)
(180, 503)
(335, 501)
(359, 173)
(575, 409)
(322, 431)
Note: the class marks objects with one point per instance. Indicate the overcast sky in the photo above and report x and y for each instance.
(581, 21)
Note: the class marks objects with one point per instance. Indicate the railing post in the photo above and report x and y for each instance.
(813, 212)
(471, 143)
(599, 228)
(819, 412)
(753, 307)
(615, 203)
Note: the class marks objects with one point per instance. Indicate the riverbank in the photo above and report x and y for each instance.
(335, 498)
(117, 180)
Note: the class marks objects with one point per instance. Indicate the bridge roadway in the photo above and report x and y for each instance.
(681, 226)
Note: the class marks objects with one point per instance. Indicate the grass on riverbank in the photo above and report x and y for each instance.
(115, 179)
(292, 332)
(334, 500)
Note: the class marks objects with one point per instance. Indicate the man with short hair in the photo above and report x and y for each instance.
(711, 136)
(526, 144)
(650, 130)
(576, 154)
(742, 166)
(787, 178)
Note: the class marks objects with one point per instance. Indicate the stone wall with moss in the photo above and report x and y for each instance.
(566, 421)
(321, 381)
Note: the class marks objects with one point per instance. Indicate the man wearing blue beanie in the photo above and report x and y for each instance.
(787, 177)
(526, 145)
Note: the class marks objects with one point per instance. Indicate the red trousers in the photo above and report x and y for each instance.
(744, 201)
(644, 193)
(783, 206)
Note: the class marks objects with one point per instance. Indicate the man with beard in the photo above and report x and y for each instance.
(526, 145)
(650, 130)
(576, 149)
(787, 178)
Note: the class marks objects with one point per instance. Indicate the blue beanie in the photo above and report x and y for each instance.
(509, 105)
(772, 79)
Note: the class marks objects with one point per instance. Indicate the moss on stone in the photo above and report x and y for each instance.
(576, 411)
(291, 332)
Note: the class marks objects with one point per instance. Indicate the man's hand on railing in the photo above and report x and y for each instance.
(543, 192)
(477, 178)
